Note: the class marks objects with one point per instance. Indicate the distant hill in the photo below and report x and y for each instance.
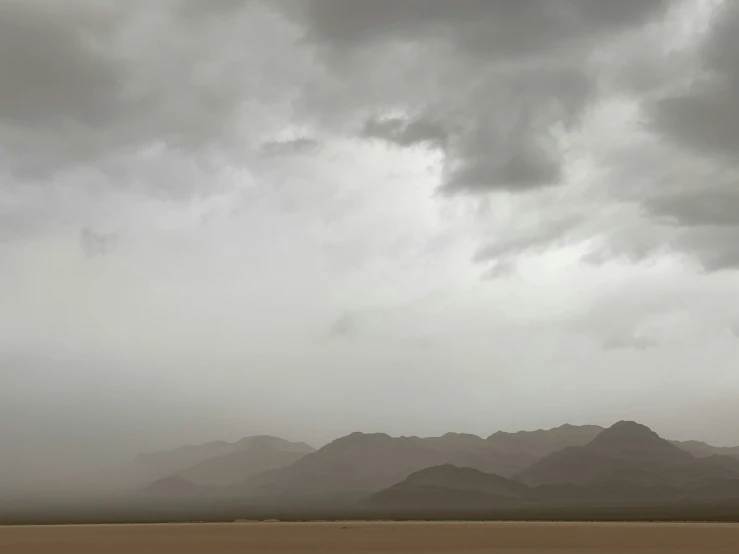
(633, 453)
(626, 462)
(355, 464)
(703, 450)
(362, 463)
(259, 454)
(534, 445)
(505, 453)
(149, 467)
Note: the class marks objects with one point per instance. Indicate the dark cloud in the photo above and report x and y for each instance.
(702, 120)
(129, 77)
(86, 82)
(513, 145)
(518, 161)
(705, 119)
(705, 207)
(197, 8)
(498, 28)
(493, 85)
(406, 131)
(52, 73)
(522, 76)
(715, 248)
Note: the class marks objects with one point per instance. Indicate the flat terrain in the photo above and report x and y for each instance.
(361, 538)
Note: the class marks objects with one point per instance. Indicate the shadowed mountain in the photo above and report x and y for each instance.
(449, 487)
(455, 488)
(506, 453)
(149, 467)
(629, 453)
(445, 488)
(530, 446)
(467, 450)
(362, 463)
(355, 464)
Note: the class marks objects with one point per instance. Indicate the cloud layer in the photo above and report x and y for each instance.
(240, 211)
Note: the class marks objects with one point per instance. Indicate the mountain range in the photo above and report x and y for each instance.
(218, 463)
(626, 463)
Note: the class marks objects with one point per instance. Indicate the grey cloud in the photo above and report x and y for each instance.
(503, 252)
(303, 145)
(631, 247)
(702, 121)
(194, 93)
(515, 162)
(383, 321)
(716, 249)
(198, 8)
(500, 269)
(705, 119)
(514, 147)
(362, 322)
(52, 73)
(629, 343)
(95, 244)
(526, 76)
(406, 132)
(344, 326)
(85, 82)
(711, 206)
(513, 246)
(498, 28)
(487, 154)
(239, 241)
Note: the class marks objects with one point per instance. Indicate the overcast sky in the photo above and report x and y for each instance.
(308, 217)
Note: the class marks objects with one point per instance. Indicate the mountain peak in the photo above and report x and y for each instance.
(630, 436)
(629, 428)
(358, 439)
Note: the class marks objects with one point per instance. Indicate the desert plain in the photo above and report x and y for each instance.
(372, 537)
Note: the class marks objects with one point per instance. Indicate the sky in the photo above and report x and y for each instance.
(305, 218)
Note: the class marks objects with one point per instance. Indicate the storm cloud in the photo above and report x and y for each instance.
(217, 217)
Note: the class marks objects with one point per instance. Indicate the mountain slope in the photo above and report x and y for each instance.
(149, 467)
(449, 486)
(703, 450)
(454, 488)
(506, 453)
(542, 442)
(259, 454)
(628, 450)
(361, 463)
(357, 463)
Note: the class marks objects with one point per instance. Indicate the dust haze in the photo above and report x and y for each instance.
(307, 220)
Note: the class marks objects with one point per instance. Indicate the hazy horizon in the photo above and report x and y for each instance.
(226, 218)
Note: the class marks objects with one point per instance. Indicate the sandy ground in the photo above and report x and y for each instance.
(361, 538)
